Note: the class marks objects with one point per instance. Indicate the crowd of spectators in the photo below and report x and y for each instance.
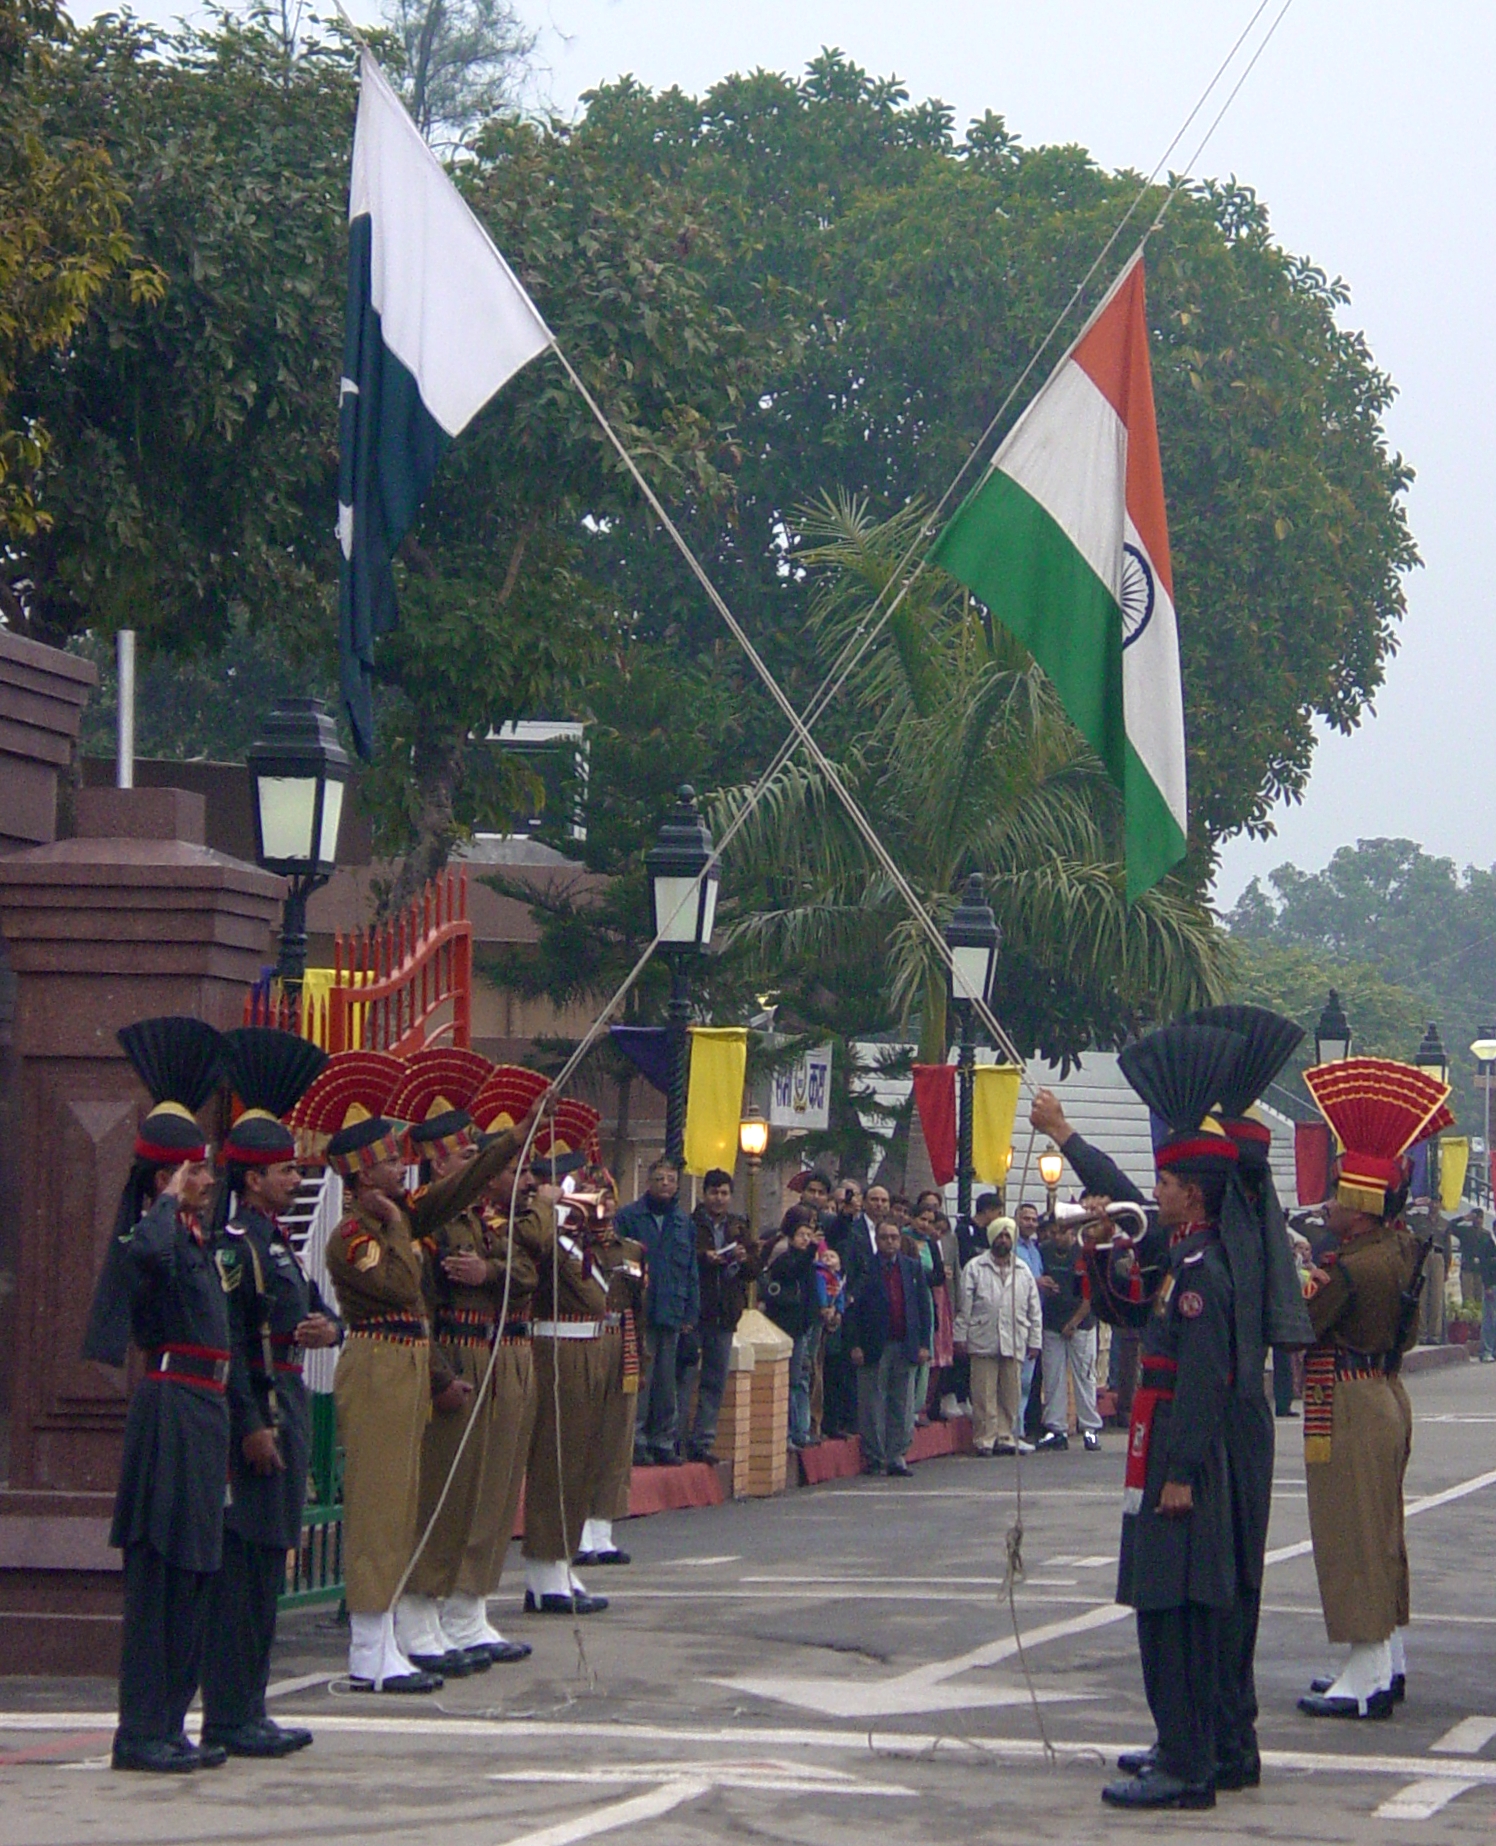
(896, 1317)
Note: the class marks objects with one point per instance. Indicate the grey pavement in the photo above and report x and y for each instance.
(842, 1661)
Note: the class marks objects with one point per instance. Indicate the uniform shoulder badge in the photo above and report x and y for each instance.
(229, 1269)
(363, 1252)
(1191, 1304)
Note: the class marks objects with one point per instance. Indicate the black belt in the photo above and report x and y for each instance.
(516, 1330)
(402, 1329)
(1352, 1364)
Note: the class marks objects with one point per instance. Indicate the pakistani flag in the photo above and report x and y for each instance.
(436, 324)
(1067, 543)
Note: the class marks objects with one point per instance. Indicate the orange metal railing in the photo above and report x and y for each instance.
(394, 987)
(409, 983)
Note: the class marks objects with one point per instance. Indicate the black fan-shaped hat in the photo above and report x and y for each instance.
(1271, 1041)
(178, 1060)
(1181, 1070)
(269, 1069)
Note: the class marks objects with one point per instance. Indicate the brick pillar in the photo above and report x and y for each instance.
(133, 917)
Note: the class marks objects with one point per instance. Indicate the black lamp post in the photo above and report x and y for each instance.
(1432, 1057)
(973, 938)
(683, 906)
(299, 771)
(1332, 1036)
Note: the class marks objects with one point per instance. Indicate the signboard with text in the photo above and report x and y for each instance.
(800, 1093)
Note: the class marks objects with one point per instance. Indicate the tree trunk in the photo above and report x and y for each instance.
(435, 769)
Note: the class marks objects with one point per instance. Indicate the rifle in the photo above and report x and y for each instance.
(1407, 1306)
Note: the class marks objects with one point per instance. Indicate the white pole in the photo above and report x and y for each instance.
(124, 773)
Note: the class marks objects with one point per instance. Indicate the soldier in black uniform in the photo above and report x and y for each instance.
(276, 1312)
(1269, 1311)
(161, 1288)
(1178, 1561)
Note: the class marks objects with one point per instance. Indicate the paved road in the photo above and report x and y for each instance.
(842, 1661)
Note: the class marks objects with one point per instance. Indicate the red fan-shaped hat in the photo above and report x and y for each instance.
(437, 1081)
(1379, 1109)
(353, 1086)
(572, 1129)
(505, 1097)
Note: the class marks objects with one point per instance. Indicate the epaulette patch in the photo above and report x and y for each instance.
(229, 1271)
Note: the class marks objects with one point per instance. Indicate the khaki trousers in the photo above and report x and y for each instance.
(1356, 1511)
(510, 1409)
(994, 1398)
(615, 1437)
(561, 1480)
(382, 1393)
(435, 1572)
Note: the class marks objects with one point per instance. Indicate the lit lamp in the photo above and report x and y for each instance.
(1332, 1036)
(1484, 1051)
(684, 876)
(299, 772)
(1432, 1057)
(973, 938)
(753, 1140)
(1051, 1171)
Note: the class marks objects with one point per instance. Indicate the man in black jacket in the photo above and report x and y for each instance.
(889, 1329)
(727, 1257)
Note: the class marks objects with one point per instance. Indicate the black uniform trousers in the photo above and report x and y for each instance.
(236, 1668)
(1179, 1650)
(166, 1614)
(1236, 1691)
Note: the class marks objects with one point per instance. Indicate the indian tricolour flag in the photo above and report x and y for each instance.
(436, 324)
(1066, 542)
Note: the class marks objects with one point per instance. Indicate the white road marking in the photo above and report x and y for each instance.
(910, 1692)
(696, 1563)
(768, 1776)
(649, 1806)
(843, 1590)
(280, 1687)
(1467, 1738)
(1079, 1563)
(1421, 1800)
(860, 1740)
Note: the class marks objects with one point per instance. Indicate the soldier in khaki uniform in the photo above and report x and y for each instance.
(1358, 1423)
(621, 1259)
(390, 1376)
(573, 1364)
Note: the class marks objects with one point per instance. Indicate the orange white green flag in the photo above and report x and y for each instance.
(1067, 543)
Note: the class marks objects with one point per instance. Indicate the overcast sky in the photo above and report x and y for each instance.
(1367, 129)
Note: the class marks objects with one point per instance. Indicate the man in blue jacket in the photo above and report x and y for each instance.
(672, 1305)
(888, 1330)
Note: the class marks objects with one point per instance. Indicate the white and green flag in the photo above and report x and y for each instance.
(1067, 543)
(436, 324)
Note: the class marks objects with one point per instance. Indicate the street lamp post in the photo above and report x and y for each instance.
(1432, 1057)
(973, 938)
(1051, 1171)
(299, 772)
(753, 1139)
(1332, 1036)
(683, 875)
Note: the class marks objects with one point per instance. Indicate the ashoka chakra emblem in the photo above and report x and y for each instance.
(1137, 594)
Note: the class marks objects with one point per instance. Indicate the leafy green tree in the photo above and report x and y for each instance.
(965, 762)
(923, 272)
(465, 61)
(64, 245)
(1408, 918)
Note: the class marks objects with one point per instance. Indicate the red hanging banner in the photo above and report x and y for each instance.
(935, 1098)
(1311, 1159)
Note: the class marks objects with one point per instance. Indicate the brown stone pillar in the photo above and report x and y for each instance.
(133, 917)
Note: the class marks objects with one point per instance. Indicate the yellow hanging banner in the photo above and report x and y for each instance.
(994, 1103)
(1454, 1161)
(714, 1098)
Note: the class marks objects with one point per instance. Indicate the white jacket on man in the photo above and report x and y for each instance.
(998, 1314)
